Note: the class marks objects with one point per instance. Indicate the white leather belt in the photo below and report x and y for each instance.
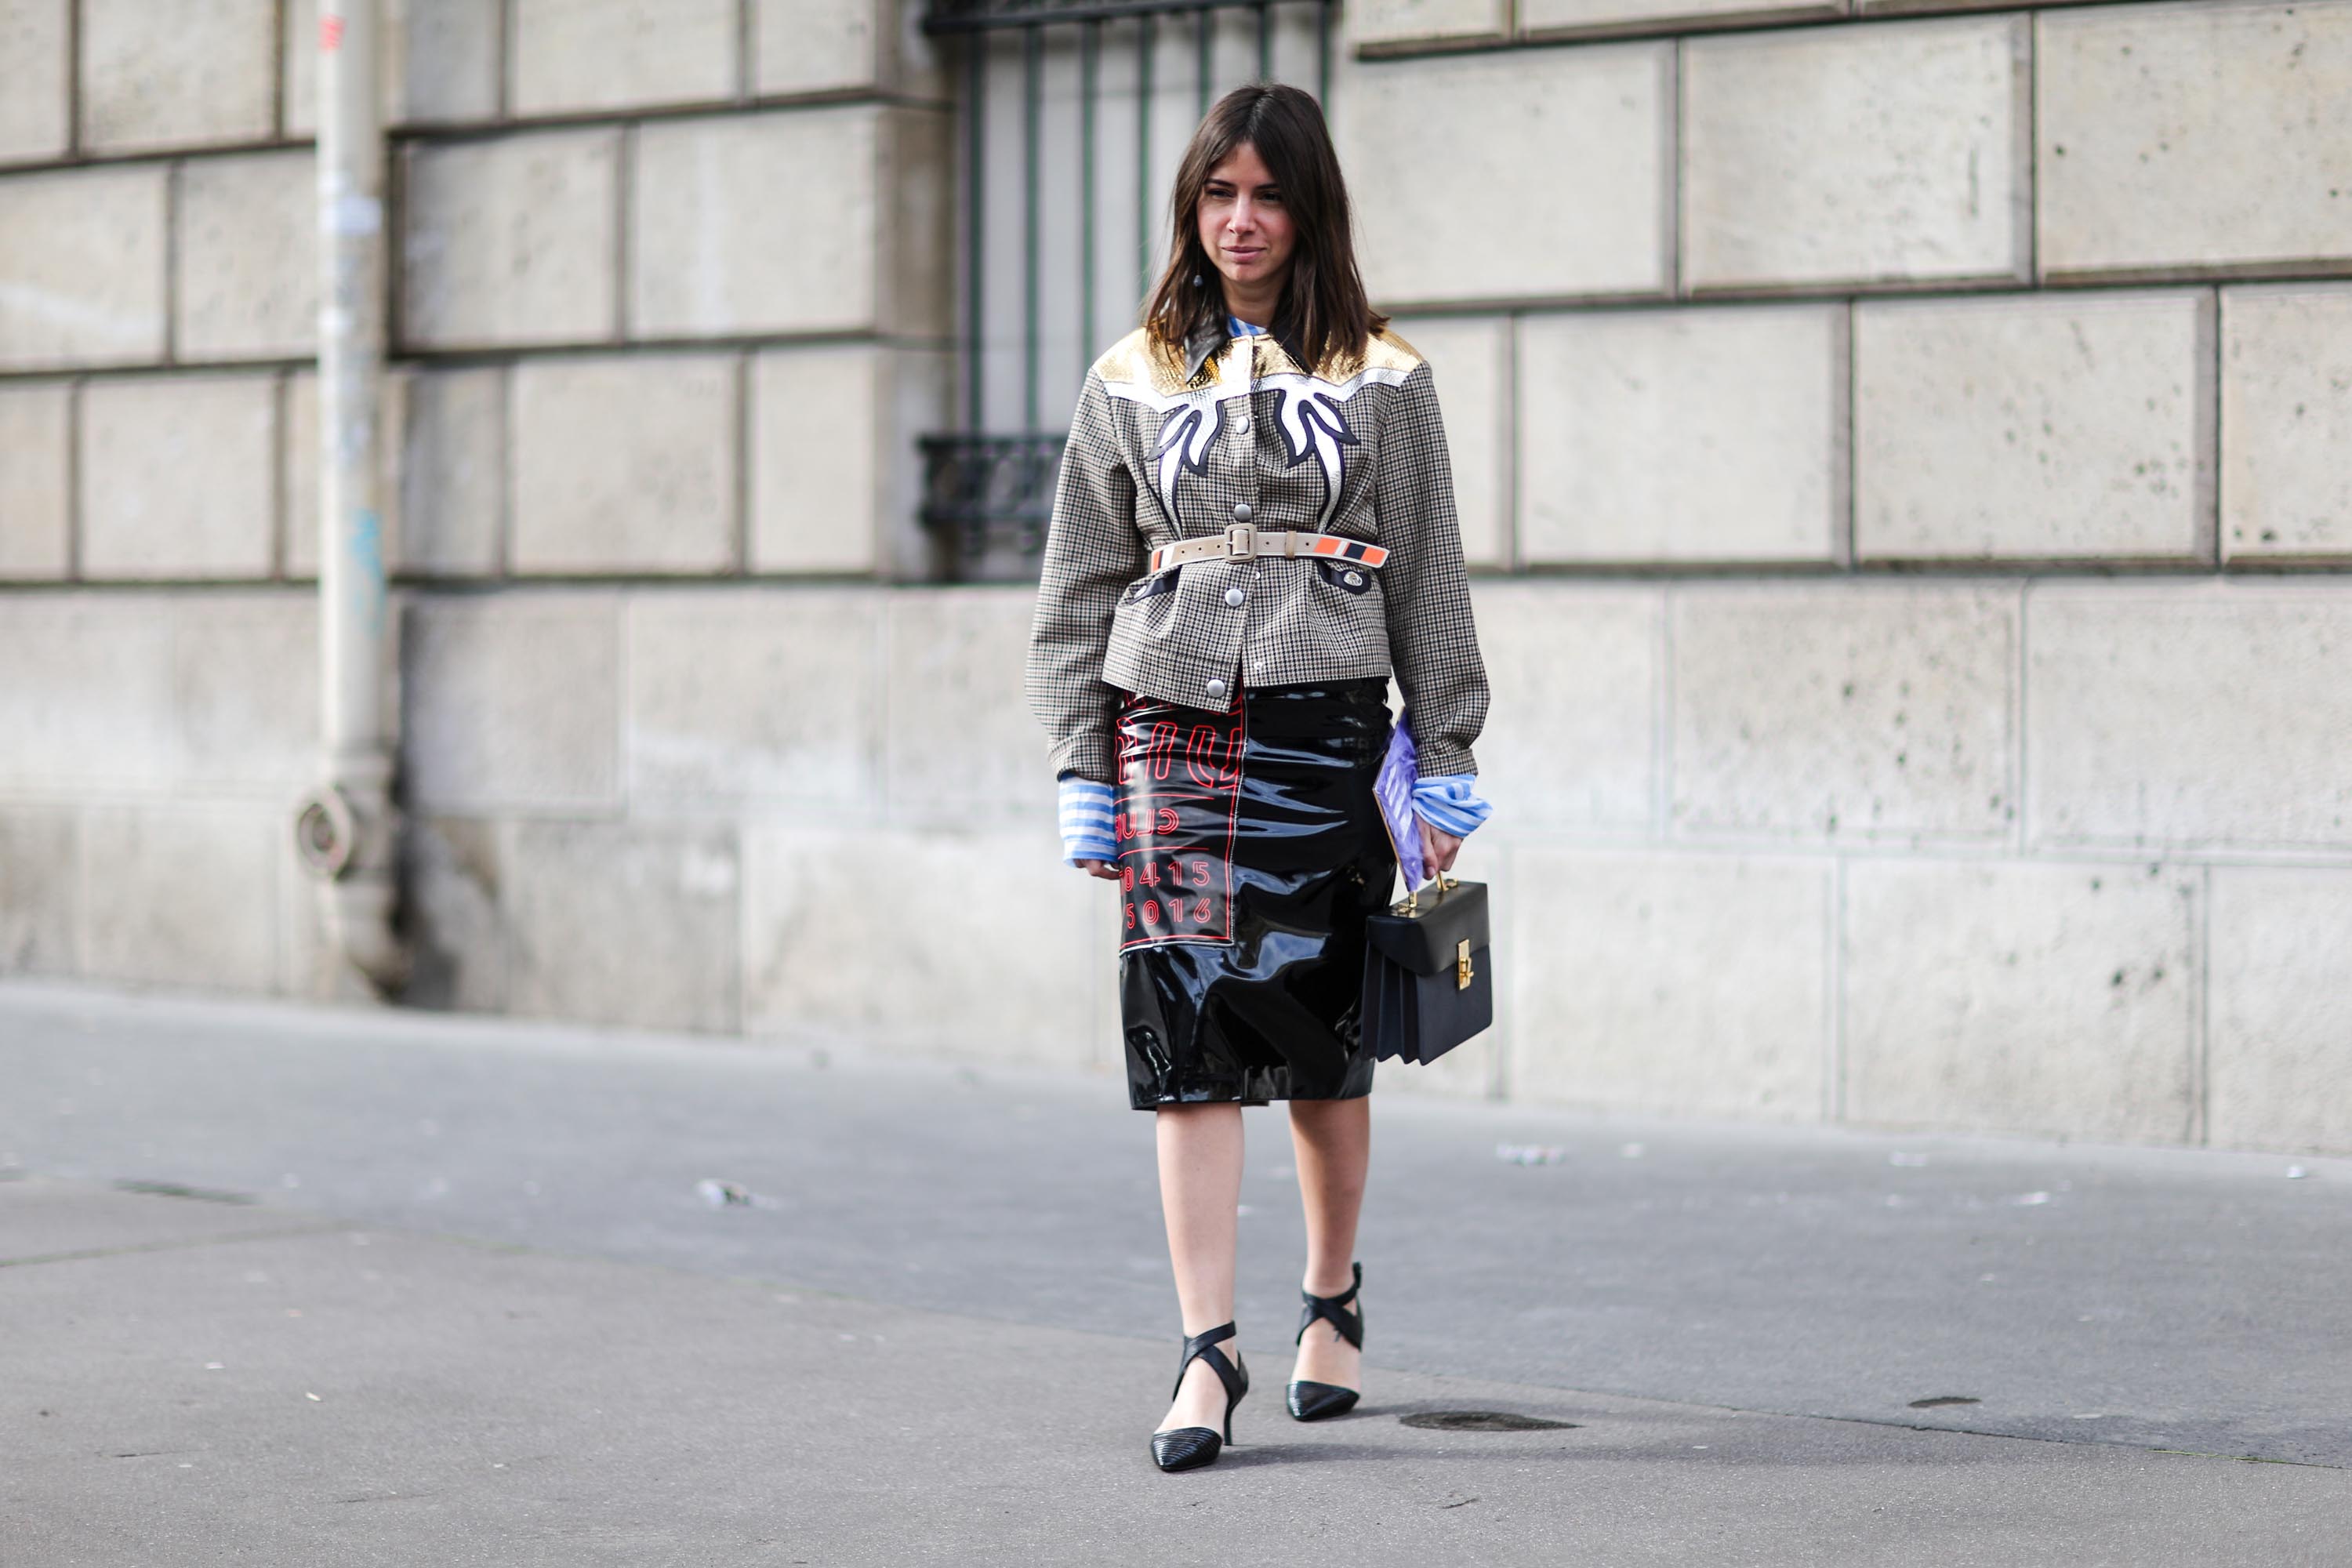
(1243, 541)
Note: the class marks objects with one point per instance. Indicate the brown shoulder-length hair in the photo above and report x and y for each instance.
(1324, 313)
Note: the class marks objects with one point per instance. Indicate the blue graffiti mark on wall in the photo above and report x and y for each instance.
(366, 554)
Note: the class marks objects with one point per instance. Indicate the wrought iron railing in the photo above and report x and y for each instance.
(992, 495)
(989, 485)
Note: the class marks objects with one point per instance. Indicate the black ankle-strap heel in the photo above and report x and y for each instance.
(1189, 1447)
(1319, 1401)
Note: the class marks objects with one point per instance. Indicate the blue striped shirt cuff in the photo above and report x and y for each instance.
(1450, 803)
(1085, 820)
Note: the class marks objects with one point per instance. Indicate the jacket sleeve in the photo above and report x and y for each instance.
(1432, 641)
(1092, 551)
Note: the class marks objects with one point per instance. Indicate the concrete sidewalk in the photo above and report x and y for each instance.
(945, 1335)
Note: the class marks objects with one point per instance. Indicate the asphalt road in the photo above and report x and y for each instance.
(943, 1330)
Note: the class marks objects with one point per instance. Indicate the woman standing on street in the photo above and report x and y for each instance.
(1253, 530)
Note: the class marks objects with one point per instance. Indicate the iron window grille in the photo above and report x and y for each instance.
(988, 485)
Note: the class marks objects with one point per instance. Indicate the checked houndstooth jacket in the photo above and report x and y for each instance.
(1166, 448)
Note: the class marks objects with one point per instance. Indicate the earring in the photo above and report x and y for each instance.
(1196, 281)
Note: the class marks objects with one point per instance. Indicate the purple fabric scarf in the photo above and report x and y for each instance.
(1399, 771)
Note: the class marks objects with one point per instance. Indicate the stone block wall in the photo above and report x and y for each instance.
(1899, 446)
(669, 304)
(1919, 607)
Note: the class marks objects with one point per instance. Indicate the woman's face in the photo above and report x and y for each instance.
(1244, 227)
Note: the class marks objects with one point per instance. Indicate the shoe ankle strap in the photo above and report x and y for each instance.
(1204, 1346)
(1344, 1297)
(1206, 1338)
(1351, 1325)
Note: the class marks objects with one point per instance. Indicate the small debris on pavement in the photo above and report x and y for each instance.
(721, 1195)
(2031, 1200)
(1529, 1154)
(2297, 1173)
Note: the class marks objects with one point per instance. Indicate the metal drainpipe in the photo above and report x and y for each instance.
(348, 829)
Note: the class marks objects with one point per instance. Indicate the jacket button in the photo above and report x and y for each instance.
(1241, 511)
(1235, 597)
(1216, 689)
(1242, 423)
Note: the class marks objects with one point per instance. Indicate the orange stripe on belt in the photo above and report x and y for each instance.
(1350, 549)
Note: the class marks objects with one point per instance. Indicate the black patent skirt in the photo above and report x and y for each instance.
(1251, 850)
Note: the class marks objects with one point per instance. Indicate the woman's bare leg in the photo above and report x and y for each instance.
(1333, 1139)
(1200, 1195)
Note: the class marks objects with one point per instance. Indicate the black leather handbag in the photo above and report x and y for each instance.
(1429, 978)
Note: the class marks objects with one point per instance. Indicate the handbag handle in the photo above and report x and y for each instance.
(1412, 905)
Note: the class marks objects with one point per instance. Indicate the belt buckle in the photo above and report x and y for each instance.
(1241, 541)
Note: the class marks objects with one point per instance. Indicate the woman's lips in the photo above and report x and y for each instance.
(1245, 255)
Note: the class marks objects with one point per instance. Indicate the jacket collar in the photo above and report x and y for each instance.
(1206, 340)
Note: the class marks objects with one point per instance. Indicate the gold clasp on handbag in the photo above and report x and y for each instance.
(1461, 965)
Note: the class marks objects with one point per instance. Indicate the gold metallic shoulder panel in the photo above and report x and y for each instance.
(1390, 352)
(1137, 359)
(1140, 362)
(1385, 352)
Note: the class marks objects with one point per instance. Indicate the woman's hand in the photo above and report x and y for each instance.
(1103, 869)
(1437, 849)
